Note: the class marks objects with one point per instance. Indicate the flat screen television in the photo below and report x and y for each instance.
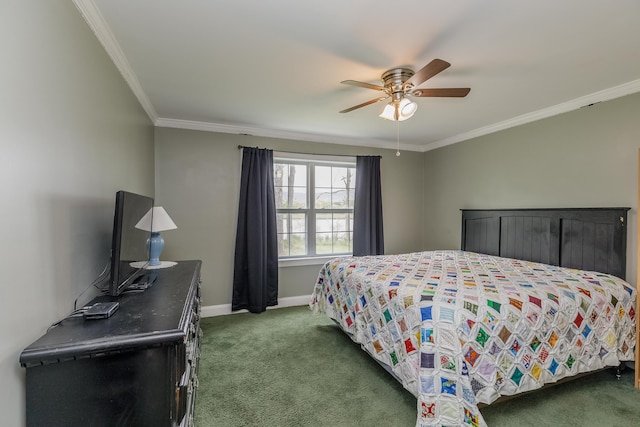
(129, 248)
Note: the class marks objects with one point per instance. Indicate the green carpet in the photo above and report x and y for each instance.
(289, 367)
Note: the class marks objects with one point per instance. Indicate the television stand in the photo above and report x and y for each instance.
(135, 368)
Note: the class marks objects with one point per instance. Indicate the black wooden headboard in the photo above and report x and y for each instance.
(593, 239)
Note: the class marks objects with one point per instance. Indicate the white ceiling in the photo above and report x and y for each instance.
(273, 68)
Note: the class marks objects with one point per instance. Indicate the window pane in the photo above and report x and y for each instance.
(298, 175)
(298, 198)
(292, 234)
(340, 222)
(324, 228)
(339, 177)
(324, 223)
(342, 242)
(327, 243)
(323, 176)
(323, 243)
(298, 244)
(298, 223)
(323, 198)
(339, 199)
(290, 184)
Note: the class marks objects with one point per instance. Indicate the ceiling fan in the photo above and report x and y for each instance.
(402, 82)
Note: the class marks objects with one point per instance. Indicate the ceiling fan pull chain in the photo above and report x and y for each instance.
(397, 139)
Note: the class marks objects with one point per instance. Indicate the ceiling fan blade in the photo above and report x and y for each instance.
(364, 104)
(362, 84)
(457, 92)
(425, 73)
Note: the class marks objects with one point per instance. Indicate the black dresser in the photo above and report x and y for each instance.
(136, 368)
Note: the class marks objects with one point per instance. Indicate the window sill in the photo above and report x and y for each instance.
(296, 262)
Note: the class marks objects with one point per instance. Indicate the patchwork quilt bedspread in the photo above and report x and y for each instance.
(459, 328)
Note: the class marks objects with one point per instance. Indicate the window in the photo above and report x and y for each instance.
(314, 205)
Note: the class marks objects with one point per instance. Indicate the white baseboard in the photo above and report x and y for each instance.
(222, 309)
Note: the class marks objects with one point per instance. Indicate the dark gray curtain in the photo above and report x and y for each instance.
(255, 273)
(368, 236)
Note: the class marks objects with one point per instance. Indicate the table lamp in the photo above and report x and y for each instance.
(155, 221)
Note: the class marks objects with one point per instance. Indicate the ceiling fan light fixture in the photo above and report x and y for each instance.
(389, 112)
(407, 108)
(399, 111)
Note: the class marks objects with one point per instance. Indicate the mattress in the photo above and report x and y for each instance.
(459, 328)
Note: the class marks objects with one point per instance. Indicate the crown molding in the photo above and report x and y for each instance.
(575, 104)
(98, 25)
(281, 134)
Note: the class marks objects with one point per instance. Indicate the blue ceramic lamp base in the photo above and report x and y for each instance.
(156, 244)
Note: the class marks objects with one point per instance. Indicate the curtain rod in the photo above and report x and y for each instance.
(240, 147)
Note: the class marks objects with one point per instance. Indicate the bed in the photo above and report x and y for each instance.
(534, 296)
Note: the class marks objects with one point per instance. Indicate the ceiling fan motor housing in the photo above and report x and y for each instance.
(394, 82)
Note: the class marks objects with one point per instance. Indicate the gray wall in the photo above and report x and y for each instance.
(197, 181)
(585, 158)
(72, 133)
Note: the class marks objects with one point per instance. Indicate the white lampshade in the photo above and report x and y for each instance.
(406, 109)
(399, 111)
(157, 219)
(389, 111)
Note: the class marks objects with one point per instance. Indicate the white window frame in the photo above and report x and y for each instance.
(312, 160)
